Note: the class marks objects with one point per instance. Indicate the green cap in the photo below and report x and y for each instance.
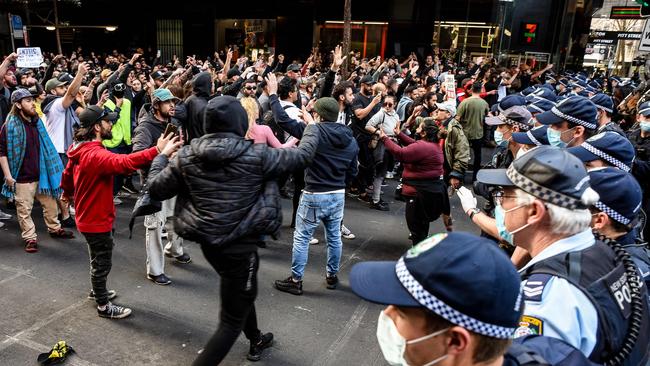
(327, 108)
(53, 83)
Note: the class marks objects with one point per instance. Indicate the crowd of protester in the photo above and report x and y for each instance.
(210, 145)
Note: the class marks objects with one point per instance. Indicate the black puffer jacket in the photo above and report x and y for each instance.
(219, 179)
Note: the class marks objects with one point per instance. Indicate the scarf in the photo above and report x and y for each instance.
(50, 165)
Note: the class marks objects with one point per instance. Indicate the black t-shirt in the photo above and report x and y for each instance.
(30, 170)
(361, 102)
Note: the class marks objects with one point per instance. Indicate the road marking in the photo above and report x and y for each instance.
(17, 272)
(354, 254)
(351, 326)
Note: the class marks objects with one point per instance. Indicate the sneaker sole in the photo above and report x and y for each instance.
(331, 287)
(289, 290)
(253, 358)
(183, 262)
(159, 283)
(349, 237)
(122, 316)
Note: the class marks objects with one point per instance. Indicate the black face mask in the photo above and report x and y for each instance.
(118, 94)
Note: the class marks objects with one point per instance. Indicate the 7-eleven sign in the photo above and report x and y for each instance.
(529, 32)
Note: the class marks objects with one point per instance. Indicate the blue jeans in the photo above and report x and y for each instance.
(313, 209)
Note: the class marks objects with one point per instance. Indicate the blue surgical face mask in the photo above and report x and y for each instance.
(645, 126)
(555, 137)
(500, 218)
(499, 138)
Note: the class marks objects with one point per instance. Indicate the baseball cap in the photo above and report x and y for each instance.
(93, 114)
(233, 72)
(527, 91)
(157, 75)
(293, 67)
(162, 95)
(609, 146)
(463, 278)
(549, 173)
(367, 80)
(449, 106)
(513, 116)
(540, 106)
(537, 136)
(620, 194)
(577, 110)
(20, 94)
(542, 93)
(644, 109)
(54, 83)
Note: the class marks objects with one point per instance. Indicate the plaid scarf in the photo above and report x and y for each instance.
(50, 165)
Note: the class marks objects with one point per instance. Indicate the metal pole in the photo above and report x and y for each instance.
(460, 58)
(56, 26)
(11, 33)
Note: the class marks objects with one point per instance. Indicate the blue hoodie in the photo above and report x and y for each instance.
(335, 163)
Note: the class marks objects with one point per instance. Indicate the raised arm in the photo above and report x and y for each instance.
(73, 89)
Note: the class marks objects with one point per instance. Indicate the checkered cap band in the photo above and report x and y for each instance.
(577, 121)
(436, 305)
(610, 159)
(533, 106)
(608, 110)
(543, 193)
(533, 139)
(612, 213)
(512, 122)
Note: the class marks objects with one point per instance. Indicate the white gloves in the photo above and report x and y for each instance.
(467, 199)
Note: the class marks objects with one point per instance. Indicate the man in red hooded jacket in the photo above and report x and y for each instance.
(88, 180)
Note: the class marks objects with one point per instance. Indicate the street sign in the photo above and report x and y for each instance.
(625, 12)
(29, 57)
(644, 45)
(17, 26)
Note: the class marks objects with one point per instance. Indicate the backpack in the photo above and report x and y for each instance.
(269, 120)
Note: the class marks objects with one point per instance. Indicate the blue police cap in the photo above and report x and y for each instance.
(508, 102)
(542, 93)
(577, 110)
(540, 106)
(549, 87)
(603, 101)
(608, 146)
(549, 173)
(620, 194)
(594, 84)
(461, 277)
(537, 136)
(644, 109)
(526, 91)
(579, 83)
(564, 82)
(615, 78)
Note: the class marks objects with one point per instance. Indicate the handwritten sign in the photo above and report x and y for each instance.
(29, 57)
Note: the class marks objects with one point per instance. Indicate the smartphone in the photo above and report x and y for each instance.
(170, 129)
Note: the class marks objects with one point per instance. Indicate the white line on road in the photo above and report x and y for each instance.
(354, 254)
(335, 349)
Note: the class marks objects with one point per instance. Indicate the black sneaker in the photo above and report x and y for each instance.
(255, 350)
(160, 279)
(332, 282)
(183, 259)
(69, 222)
(113, 311)
(381, 206)
(289, 285)
(111, 295)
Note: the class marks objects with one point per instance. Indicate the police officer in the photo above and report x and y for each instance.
(532, 138)
(605, 107)
(460, 314)
(640, 139)
(575, 288)
(571, 121)
(615, 213)
(605, 149)
(537, 106)
(513, 119)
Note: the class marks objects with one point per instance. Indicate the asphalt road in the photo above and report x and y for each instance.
(43, 297)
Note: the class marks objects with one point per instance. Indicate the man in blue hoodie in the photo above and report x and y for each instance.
(323, 199)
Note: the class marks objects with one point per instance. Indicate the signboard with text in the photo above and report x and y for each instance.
(29, 57)
(644, 45)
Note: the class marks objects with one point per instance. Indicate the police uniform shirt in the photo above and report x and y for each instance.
(555, 307)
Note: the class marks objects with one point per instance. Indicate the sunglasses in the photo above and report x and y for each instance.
(251, 88)
(388, 104)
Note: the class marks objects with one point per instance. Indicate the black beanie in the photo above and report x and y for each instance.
(225, 114)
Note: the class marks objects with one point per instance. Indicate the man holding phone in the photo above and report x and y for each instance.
(150, 127)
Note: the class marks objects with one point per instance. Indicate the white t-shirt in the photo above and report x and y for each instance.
(55, 123)
(388, 121)
(292, 110)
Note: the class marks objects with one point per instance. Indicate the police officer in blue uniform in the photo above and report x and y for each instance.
(640, 139)
(576, 288)
(605, 149)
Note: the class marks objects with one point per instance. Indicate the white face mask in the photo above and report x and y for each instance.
(393, 345)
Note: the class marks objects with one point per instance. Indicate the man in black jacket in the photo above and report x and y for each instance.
(323, 199)
(228, 199)
(195, 105)
(151, 126)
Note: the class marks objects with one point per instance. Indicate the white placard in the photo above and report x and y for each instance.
(29, 57)
(644, 44)
(450, 85)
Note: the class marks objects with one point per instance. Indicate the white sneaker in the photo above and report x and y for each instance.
(117, 201)
(5, 216)
(346, 233)
(389, 175)
(313, 241)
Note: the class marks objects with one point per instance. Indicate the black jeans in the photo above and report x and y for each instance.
(100, 249)
(476, 146)
(416, 220)
(238, 291)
